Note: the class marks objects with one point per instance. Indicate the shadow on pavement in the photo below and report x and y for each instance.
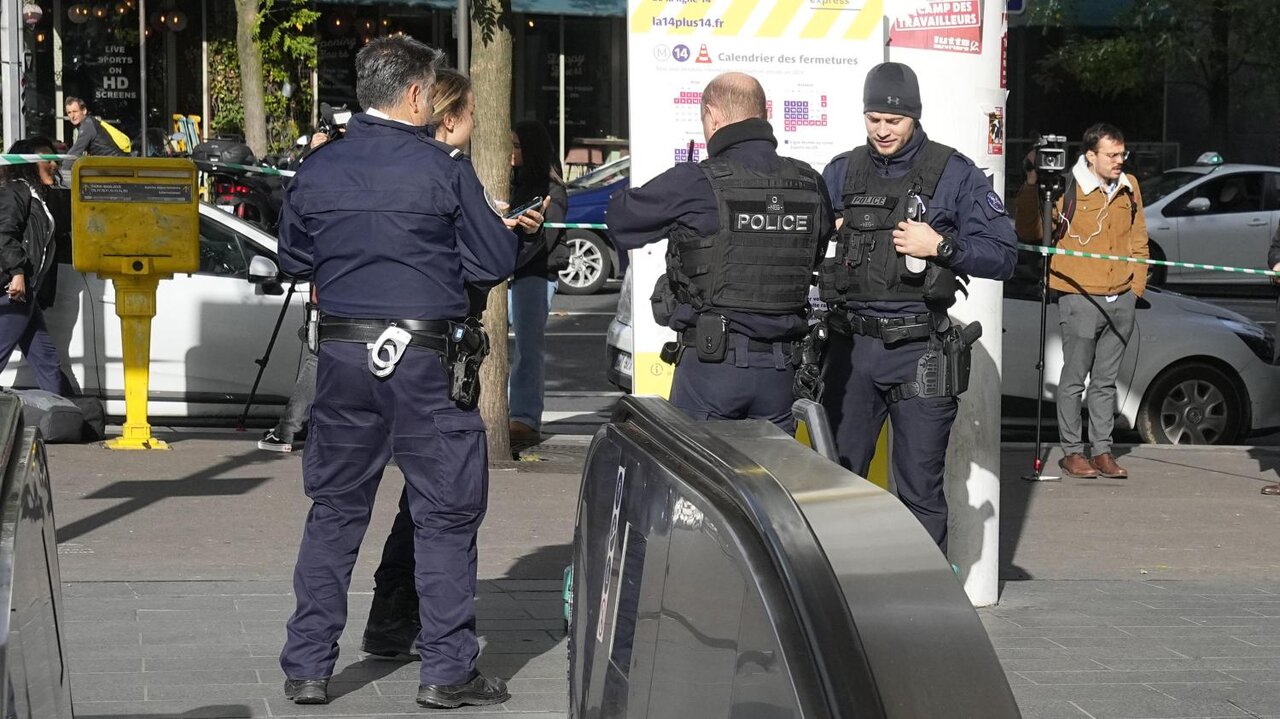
(140, 494)
(506, 658)
(1268, 461)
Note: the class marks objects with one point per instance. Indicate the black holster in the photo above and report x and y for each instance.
(943, 369)
(467, 347)
(807, 383)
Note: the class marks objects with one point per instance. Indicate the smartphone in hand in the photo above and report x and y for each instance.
(515, 212)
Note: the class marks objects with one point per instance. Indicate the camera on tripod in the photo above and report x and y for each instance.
(332, 119)
(1051, 154)
(1049, 163)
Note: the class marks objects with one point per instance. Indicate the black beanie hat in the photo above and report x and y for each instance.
(892, 88)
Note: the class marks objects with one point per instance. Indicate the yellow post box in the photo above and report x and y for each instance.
(135, 221)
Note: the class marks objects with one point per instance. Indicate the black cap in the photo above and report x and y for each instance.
(891, 87)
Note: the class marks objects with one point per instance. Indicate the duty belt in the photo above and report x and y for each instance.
(689, 338)
(888, 329)
(427, 334)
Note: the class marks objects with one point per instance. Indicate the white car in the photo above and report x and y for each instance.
(1214, 214)
(1194, 373)
(210, 327)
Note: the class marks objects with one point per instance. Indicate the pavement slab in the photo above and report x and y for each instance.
(1157, 597)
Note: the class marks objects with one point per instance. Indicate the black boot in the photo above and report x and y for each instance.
(393, 624)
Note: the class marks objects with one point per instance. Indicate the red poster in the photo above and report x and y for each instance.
(952, 26)
(995, 131)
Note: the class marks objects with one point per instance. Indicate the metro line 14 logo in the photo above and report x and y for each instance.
(681, 53)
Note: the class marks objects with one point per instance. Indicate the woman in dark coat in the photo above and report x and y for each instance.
(537, 174)
(26, 258)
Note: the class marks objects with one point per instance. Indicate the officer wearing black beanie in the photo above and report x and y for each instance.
(917, 219)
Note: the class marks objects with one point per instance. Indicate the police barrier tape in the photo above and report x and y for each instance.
(1041, 249)
(204, 165)
(32, 159)
(1038, 249)
(210, 166)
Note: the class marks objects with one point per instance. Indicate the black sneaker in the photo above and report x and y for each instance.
(274, 443)
(307, 691)
(480, 691)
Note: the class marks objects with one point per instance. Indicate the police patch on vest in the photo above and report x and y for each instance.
(994, 201)
(774, 203)
(871, 201)
(771, 222)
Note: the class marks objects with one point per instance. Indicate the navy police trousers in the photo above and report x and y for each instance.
(357, 423)
(757, 388)
(859, 373)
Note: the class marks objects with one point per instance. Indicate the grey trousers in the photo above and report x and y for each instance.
(298, 409)
(1094, 336)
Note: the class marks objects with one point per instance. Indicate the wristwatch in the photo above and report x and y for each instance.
(946, 251)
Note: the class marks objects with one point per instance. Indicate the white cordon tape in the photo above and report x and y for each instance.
(32, 159)
(1041, 249)
(1038, 249)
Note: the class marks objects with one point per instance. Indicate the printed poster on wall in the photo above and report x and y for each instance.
(949, 26)
(811, 56)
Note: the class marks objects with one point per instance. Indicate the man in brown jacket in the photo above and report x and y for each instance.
(1097, 298)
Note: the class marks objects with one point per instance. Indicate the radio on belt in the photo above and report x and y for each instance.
(135, 222)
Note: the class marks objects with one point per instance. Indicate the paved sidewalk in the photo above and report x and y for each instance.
(1154, 597)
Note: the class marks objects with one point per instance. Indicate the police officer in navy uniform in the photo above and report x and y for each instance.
(391, 226)
(916, 218)
(746, 228)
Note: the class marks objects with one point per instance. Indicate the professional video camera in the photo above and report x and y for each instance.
(1050, 163)
(332, 119)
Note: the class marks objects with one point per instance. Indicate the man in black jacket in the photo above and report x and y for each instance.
(91, 138)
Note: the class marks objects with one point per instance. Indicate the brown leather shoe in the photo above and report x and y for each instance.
(1106, 465)
(1077, 465)
(1272, 490)
(523, 434)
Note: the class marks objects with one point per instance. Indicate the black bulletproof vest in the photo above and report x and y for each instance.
(866, 267)
(763, 257)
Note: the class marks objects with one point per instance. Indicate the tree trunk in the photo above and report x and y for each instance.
(491, 153)
(251, 97)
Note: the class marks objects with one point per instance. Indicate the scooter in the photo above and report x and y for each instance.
(235, 186)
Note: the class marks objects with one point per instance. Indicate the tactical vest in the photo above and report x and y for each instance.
(866, 267)
(763, 257)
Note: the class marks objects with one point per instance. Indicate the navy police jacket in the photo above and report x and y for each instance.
(390, 224)
(683, 196)
(986, 245)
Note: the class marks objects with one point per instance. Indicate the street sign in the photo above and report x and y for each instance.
(1015, 7)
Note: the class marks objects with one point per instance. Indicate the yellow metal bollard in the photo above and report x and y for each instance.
(135, 221)
(878, 473)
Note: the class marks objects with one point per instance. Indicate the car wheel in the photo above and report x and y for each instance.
(1157, 274)
(589, 264)
(1192, 403)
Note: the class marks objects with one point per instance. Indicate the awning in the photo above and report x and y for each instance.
(599, 8)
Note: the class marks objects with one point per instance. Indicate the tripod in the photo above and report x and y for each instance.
(266, 356)
(1049, 188)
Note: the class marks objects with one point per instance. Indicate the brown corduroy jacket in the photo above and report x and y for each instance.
(1105, 226)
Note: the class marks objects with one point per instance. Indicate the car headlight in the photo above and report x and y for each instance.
(1261, 342)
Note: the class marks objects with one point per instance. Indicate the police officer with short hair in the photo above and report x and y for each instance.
(746, 228)
(915, 216)
(392, 226)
